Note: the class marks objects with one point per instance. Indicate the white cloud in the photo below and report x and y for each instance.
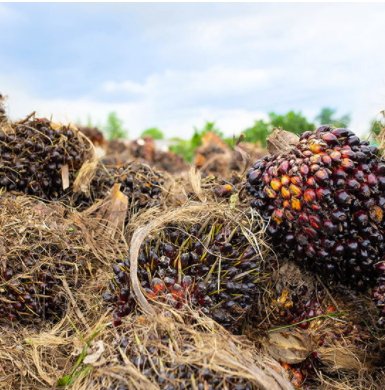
(137, 115)
(232, 66)
(216, 82)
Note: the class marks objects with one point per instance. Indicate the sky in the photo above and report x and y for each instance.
(175, 66)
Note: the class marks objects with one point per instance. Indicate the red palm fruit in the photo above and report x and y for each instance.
(337, 208)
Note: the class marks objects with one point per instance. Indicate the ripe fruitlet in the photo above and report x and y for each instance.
(334, 207)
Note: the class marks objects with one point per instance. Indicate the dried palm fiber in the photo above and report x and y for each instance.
(316, 334)
(174, 349)
(46, 249)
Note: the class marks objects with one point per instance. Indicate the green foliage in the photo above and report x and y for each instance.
(209, 127)
(258, 133)
(80, 369)
(183, 148)
(327, 117)
(187, 148)
(153, 133)
(114, 127)
(292, 121)
(376, 126)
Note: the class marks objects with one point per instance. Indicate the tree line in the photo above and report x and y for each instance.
(258, 133)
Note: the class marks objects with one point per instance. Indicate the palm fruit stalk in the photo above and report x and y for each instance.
(40, 158)
(140, 183)
(211, 266)
(324, 199)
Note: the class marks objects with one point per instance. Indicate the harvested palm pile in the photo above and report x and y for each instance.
(144, 150)
(115, 275)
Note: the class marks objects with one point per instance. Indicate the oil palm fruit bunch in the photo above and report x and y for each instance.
(211, 266)
(153, 361)
(324, 199)
(31, 288)
(38, 157)
(180, 349)
(141, 184)
(41, 245)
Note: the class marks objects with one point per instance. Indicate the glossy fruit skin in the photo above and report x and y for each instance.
(213, 268)
(334, 225)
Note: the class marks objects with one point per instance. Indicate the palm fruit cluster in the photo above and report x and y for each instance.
(31, 284)
(36, 154)
(211, 266)
(141, 184)
(325, 200)
(39, 248)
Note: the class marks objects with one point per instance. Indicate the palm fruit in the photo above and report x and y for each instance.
(325, 200)
(211, 266)
(141, 184)
(37, 157)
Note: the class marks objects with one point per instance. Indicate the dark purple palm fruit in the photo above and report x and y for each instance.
(324, 199)
(213, 267)
(139, 182)
(38, 157)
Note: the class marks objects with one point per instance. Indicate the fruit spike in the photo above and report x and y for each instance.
(212, 267)
(333, 221)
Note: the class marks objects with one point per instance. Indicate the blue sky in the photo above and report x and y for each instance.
(177, 65)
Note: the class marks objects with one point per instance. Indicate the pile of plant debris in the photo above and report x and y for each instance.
(117, 276)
